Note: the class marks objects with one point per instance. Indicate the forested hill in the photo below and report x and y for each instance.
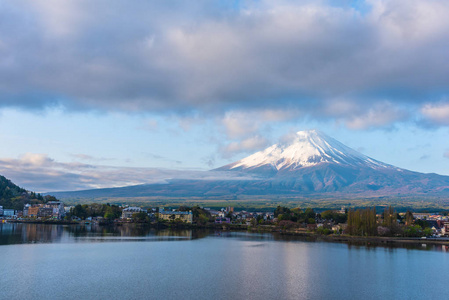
(14, 197)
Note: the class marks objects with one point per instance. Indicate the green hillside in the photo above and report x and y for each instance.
(14, 197)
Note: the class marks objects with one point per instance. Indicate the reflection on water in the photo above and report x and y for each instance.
(14, 233)
(26, 233)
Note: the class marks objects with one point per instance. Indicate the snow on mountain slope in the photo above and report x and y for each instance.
(307, 149)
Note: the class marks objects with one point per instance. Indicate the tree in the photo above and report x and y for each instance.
(412, 231)
(362, 222)
(390, 220)
(331, 215)
(141, 216)
(48, 198)
(309, 213)
(423, 224)
(200, 215)
(109, 214)
(408, 218)
(283, 217)
(79, 211)
(389, 217)
(281, 210)
(427, 231)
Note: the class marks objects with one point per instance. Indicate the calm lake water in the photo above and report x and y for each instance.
(88, 262)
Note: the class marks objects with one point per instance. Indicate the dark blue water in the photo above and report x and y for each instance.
(53, 262)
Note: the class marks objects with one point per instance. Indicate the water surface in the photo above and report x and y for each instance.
(72, 262)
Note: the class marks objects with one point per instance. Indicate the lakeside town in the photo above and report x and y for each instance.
(361, 222)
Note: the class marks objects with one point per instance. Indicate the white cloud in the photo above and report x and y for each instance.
(252, 144)
(379, 116)
(240, 124)
(36, 160)
(437, 113)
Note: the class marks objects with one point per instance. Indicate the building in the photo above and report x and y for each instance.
(25, 210)
(128, 212)
(230, 209)
(32, 210)
(421, 216)
(51, 209)
(1, 210)
(445, 229)
(221, 220)
(184, 216)
(57, 207)
(68, 208)
(46, 212)
(9, 213)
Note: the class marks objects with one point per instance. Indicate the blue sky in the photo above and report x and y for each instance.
(100, 93)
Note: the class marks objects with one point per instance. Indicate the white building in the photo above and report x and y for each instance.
(128, 212)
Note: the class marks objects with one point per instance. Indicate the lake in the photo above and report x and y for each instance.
(91, 262)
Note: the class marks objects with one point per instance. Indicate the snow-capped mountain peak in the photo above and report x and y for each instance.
(306, 149)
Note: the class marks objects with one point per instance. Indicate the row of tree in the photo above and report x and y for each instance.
(296, 215)
(364, 222)
(93, 210)
(360, 222)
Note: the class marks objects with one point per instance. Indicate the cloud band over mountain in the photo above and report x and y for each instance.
(38, 172)
(367, 65)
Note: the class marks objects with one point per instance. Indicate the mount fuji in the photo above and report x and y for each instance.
(310, 163)
(306, 149)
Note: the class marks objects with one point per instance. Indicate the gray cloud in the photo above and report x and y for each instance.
(163, 158)
(209, 160)
(323, 60)
(424, 157)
